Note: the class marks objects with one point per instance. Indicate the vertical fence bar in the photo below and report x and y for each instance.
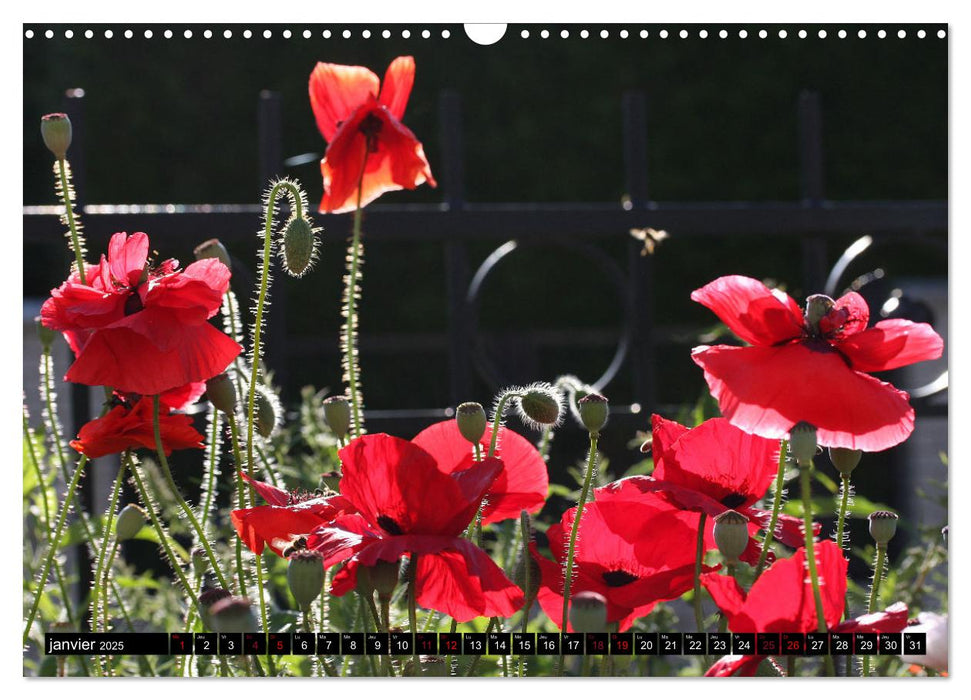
(270, 138)
(811, 186)
(456, 252)
(640, 267)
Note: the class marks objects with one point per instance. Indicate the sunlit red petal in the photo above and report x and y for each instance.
(396, 87)
(892, 344)
(849, 315)
(278, 526)
(127, 256)
(741, 666)
(181, 397)
(122, 428)
(766, 391)
(889, 621)
(751, 310)
(336, 91)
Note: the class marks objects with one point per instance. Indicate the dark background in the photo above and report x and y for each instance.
(175, 120)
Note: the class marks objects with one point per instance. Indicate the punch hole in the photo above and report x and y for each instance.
(88, 34)
(247, 34)
(129, 33)
(187, 33)
(644, 34)
(109, 33)
(68, 34)
(584, 34)
(167, 33)
(148, 34)
(29, 34)
(425, 34)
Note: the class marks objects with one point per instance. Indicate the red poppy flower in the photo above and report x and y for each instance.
(798, 371)
(633, 553)
(409, 504)
(130, 425)
(142, 330)
(362, 124)
(522, 484)
(710, 469)
(289, 515)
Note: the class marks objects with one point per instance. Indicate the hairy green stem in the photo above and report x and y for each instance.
(497, 420)
(699, 560)
(871, 607)
(72, 224)
(807, 514)
(776, 509)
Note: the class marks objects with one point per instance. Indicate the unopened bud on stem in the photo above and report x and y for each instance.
(222, 393)
(213, 248)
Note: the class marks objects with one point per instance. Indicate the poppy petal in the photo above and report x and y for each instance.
(336, 91)
(766, 391)
(751, 310)
(271, 494)
(892, 344)
(889, 621)
(849, 315)
(735, 665)
(127, 256)
(278, 526)
(123, 428)
(397, 84)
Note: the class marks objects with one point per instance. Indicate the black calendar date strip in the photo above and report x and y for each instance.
(493, 644)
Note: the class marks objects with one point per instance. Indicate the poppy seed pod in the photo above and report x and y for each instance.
(305, 576)
(213, 248)
(817, 306)
(232, 615)
(588, 612)
(540, 405)
(594, 409)
(266, 412)
(731, 534)
(55, 129)
(222, 393)
(883, 526)
(384, 577)
(471, 419)
(207, 599)
(299, 246)
(130, 521)
(337, 413)
(802, 443)
(844, 459)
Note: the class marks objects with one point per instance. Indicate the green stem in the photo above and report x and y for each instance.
(413, 614)
(263, 618)
(163, 538)
(776, 509)
(807, 514)
(71, 223)
(497, 420)
(875, 592)
(845, 491)
(189, 514)
(106, 542)
(571, 548)
(55, 544)
(295, 196)
(351, 323)
(699, 560)
(210, 477)
(240, 499)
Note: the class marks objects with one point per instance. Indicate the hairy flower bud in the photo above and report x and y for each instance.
(883, 526)
(802, 443)
(305, 576)
(130, 521)
(471, 419)
(267, 411)
(588, 612)
(213, 248)
(844, 459)
(299, 246)
(45, 334)
(207, 599)
(232, 615)
(55, 129)
(337, 413)
(731, 534)
(540, 405)
(594, 409)
(200, 561)
(222, 393)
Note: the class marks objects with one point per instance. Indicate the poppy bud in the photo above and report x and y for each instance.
(207, 599)
(55, 129)
(731, 534)
(471, 419)
(540, 404)
(588, 612)
(593, 409)
(266, 412)
(222, 393)
(337, 413)
(802, 443)
(130, 521)
(329, 482)
(519, 576)
(364, 586)
(213, 248)
(817, 306)
(200, 561)
(232, 615)
(45, 334)
(883, 526)
(844, 459)
(305, 576)
(299, 246)
(384, 577)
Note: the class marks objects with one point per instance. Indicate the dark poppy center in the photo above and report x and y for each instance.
(733, 500)
(389, 525)
(370, 126)
(616, 579)
(133, 304)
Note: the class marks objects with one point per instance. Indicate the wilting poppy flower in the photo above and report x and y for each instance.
(130, 425)
(523, 482)
(139, 329)
(710, 469)
(633, 553)
(289, 515)
(810, 369)
(408, 504)
(363, 129)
